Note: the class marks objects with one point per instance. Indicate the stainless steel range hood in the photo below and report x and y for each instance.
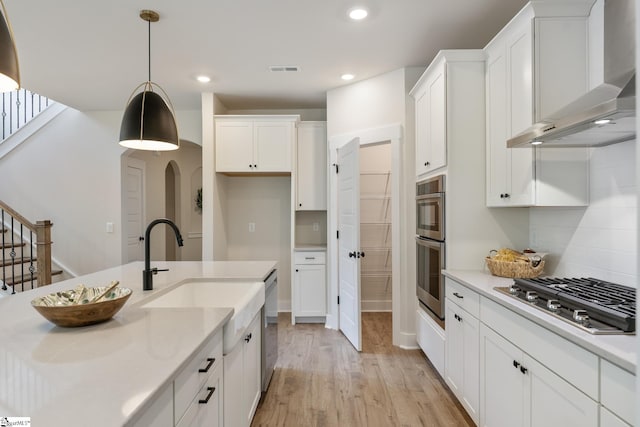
(606, 114)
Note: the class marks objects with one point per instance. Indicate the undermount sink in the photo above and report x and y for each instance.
(246, 299)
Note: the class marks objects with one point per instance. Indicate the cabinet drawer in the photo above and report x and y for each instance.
(617, 390)
(304, 257)
(205, 409)
(466, 298)
(190, 380)
(573, 363)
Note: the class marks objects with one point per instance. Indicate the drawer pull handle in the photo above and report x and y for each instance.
(211, 390)
(210, 362)
(457, 295)
(309, 257)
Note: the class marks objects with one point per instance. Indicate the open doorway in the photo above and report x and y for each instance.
(375, 227)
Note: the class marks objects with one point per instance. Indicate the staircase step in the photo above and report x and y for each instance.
(16, 261)
(27, 278)
(8, 245)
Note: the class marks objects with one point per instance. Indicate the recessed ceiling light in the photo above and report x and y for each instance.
(602, 122)
(203, 79)
(347, 77)
(358, 13)
(536, 142)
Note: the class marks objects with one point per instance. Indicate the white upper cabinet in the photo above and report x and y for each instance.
(536, 65)
(439, 112)
(311, 171)
(255, 143)
(430, 110)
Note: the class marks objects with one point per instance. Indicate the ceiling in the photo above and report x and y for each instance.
(91, 54)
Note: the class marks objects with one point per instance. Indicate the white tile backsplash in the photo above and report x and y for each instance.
(599, 240)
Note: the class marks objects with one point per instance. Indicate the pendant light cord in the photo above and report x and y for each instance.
(149, 22)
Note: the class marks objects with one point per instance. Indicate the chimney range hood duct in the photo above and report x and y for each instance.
(606, 114)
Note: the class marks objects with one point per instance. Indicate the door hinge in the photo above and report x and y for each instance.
(337, 234)
(337, 168)
(338, 299)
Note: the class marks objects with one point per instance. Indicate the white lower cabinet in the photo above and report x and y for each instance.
(519, 391)
(431, 339)
(462, 366)
(242, 377)
(309, 285)
(194, 397)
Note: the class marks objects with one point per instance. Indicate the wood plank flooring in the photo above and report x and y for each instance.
(320, 380)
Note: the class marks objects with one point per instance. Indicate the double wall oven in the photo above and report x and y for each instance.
(430, 244)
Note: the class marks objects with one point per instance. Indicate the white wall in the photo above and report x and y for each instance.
(266, 202)
(599, 240)
(69, 172)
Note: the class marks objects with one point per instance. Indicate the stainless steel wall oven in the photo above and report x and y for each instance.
(430, 245)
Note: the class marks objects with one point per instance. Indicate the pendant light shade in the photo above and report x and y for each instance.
(9, 69)
(149, 121)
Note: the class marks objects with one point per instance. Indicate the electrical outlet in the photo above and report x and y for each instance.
(316, 226)
(252, 227)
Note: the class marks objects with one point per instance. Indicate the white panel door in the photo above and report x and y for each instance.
(135, 209)
(349, 241)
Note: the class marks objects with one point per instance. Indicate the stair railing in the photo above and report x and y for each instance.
(31, 269)
(18, 108)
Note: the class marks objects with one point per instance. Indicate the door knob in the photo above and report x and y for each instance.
(360, 254)
(140, 238)
(352, 254)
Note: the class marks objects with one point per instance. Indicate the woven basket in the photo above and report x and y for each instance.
(514, 270)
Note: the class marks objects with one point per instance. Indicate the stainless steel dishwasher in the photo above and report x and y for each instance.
(270, 328)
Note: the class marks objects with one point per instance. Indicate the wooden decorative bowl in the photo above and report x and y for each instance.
(60, 309)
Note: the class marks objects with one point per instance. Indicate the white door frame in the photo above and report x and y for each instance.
(392, 134)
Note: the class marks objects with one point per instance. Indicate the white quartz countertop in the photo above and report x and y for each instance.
(102, 375)
(618, 349)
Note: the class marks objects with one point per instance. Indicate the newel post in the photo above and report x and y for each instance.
(43, 252)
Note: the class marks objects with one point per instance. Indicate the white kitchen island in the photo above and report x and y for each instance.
(108, 374)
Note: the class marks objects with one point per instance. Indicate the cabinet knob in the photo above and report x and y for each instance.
(502, 196)
(300, 204)
(255, 166)
(352, 254)
(507, 195)
(516, 364)
(247, 338)
(297, 270)
(427, 164)
(523, 369)
(250, 166)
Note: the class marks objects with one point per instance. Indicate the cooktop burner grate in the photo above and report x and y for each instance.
(608, 302)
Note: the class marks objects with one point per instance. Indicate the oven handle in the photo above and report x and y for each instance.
(430, 196)
(429, 242)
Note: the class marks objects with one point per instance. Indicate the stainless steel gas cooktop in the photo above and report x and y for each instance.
(593, 305)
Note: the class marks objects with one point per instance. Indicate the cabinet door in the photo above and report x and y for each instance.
(437, 122)
(609, 419)
(160, 413)
(497, 153)
(454, 360)
(421, 101)
(502, 383)
(234, 408)
(252, 386)
(234, 146)
(471, 364)
(310, 290)
(553, 401)
(519, 46)
(273, 146)
(311, 182)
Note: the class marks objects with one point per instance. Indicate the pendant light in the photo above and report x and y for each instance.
(149, 121)
(9, 69)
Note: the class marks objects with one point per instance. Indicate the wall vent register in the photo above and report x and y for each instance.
(595, 306)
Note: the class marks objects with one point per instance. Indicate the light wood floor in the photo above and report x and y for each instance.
(320, 380)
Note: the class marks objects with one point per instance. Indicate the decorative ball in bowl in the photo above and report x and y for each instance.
(82, 306)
